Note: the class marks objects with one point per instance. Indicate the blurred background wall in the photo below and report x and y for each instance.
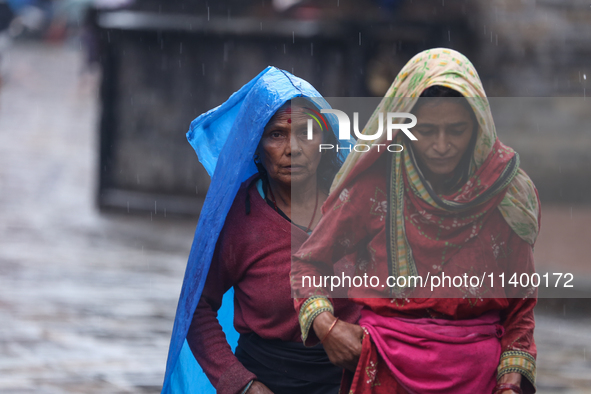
(163, 64)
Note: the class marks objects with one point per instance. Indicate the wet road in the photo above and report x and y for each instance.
(87, 300)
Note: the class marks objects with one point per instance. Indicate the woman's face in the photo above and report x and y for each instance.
(444, 129)
(285, 151)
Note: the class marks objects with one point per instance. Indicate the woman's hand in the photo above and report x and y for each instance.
(343, 344)
(258, 388)
(513, 378)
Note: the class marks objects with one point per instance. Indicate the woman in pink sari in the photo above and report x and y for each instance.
(453, 203)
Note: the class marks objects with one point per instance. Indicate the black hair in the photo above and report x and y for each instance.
(463, 169)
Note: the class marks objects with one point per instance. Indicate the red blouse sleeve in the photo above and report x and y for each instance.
(206, 337)
(517, 345)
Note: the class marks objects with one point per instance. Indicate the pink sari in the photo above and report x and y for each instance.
(428, 355)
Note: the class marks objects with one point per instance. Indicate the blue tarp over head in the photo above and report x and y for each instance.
(225, 140)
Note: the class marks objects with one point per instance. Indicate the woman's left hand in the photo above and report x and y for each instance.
(513, 378)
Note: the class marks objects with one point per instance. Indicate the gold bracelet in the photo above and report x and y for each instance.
(334, 323)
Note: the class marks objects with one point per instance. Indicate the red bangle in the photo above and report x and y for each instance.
(507, 386)
(334, 323)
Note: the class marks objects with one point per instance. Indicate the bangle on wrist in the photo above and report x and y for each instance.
(247, 387)
(334, 323)
(507, 386)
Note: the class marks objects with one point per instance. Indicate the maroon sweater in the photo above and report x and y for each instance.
(253, 254)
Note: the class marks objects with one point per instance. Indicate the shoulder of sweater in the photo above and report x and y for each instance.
(237, 219)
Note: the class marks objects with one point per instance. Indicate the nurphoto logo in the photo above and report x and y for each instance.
(345, 129)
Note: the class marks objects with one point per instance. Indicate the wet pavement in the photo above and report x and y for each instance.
(87, 300)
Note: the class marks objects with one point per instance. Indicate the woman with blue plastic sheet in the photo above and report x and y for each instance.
(269, 181)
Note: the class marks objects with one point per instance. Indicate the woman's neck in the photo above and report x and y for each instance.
(437, 183)
(288, 194)
(297, 201)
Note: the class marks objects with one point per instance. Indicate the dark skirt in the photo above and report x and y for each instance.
(289, 367)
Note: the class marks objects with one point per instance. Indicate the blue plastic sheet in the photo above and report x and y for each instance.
(225, 140)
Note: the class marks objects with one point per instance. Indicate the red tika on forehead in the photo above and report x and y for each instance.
(284, 110)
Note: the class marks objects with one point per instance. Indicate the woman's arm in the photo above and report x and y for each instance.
(517, 345)
(518, 357)
(345, 223)
(349, 222)
(206, 337)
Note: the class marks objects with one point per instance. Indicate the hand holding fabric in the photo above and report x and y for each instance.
(343, 343)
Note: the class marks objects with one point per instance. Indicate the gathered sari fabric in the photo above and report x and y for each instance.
(428, 355)
(383, 210)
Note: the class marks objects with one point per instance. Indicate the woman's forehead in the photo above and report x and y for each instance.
(285, 114)
(288, 109)
(441, 109)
